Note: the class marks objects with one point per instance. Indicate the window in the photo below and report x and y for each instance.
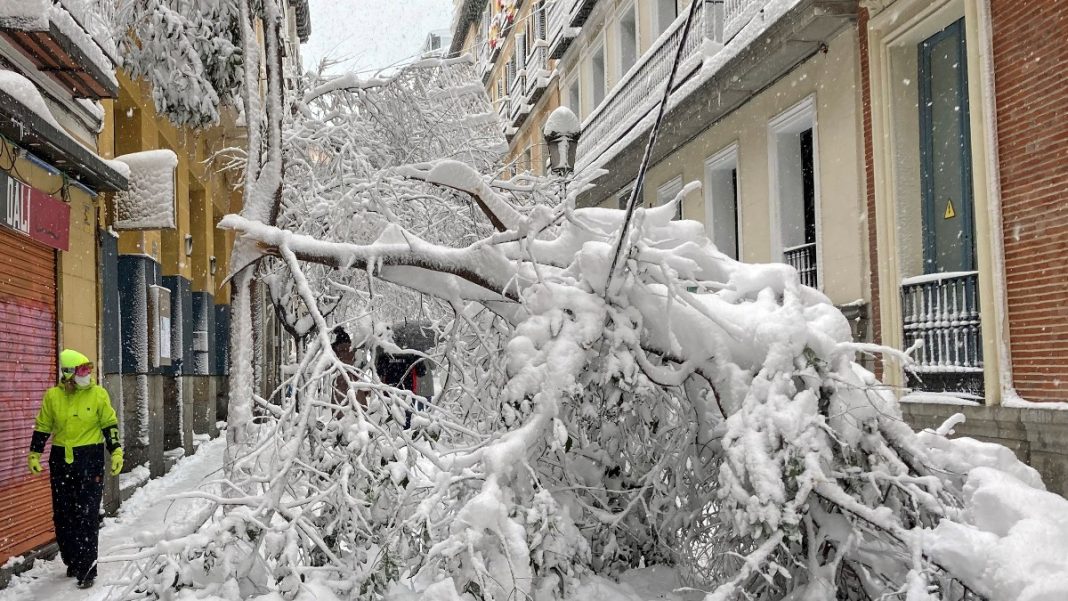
(668, 191)
(664, 12)
(945, 153)
(540, 28)
(597, 76)
(622, 199)
(573, 96)
(521, 51)
(794, 196)
(721, 200)
(926, 156)
(627, 31)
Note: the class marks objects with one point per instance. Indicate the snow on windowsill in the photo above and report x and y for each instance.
(943, 398)
(1016, 402)
(928, 278)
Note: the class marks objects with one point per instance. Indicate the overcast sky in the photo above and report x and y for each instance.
(370, 34)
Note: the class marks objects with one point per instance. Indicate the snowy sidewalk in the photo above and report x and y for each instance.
(147, 510)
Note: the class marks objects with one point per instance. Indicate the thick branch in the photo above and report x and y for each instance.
(477, 273)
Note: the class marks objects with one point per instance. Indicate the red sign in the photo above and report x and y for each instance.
(33, 213)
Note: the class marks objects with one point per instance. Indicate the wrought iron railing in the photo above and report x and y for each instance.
(537, 67)
(643, 85)
(560, 32)
(517, 97)
(942, 310)
(803, 259)
(737, 14)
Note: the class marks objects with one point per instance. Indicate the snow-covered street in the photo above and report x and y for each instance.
(142, 518)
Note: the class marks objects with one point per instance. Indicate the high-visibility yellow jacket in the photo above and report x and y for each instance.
(76, 419)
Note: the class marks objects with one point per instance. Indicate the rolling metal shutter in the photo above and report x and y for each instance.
(27, 369)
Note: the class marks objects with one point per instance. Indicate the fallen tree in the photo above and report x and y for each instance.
(686, 409)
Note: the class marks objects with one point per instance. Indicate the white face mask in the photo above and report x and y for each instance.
(82, 381)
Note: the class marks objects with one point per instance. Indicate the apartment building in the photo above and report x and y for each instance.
(906, 156)
(510, 42)
(765, 111)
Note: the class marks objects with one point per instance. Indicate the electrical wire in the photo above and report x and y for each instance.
(639, 181)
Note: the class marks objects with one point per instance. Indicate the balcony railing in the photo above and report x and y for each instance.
(517, 98)
(942, 310)
(561, 34)
(737, 14)
(642, 87)
(803, 259)
(537, 68)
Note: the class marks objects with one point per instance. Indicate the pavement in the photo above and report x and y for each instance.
(145, 516)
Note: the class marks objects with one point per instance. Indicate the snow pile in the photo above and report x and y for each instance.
(562, 122)
(78, 36)
(25, 92)
(25, 15)
(149, 201)
(1010, 539)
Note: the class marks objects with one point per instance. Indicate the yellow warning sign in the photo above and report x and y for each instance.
(950, 213)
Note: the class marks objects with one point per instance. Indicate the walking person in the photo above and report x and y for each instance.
(78, 415)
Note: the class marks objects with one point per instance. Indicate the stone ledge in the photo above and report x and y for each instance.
(26, 562)
(1039, 437)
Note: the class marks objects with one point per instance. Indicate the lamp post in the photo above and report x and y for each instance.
(561, 132)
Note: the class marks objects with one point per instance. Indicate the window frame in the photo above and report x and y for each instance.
(725, 160)
(793, 121)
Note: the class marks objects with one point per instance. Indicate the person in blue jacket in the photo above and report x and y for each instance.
(78, 415)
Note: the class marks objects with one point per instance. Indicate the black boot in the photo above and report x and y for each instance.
(86, 582)
(70, 572)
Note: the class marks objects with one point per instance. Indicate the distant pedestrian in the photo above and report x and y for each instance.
(77, 414)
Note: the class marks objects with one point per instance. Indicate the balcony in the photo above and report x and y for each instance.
(537, 72)
(642, 87)
(803, 259)
(737, 13)
(561, 33)
(518, 109)
(736, 50)
(942, 311)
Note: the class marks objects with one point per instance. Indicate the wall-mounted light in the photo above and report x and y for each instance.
(213, 265)
(188, 245)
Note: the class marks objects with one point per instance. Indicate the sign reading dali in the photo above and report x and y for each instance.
(33, 213)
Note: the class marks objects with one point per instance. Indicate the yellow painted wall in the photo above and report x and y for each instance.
(200, 191)
(832, 78)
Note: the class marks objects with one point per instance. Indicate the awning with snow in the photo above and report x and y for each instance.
(26, 121)
(58, 45)
(149, 202)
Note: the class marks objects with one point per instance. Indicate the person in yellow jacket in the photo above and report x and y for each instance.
(78, 415)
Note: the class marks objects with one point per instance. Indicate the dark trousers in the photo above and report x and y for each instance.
(76, 491)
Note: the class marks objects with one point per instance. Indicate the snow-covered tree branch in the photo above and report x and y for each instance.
(701, 413)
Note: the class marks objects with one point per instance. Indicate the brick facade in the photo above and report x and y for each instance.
(1030, 58)
(869, 182)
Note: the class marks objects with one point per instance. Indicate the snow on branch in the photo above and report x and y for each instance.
(462, 177)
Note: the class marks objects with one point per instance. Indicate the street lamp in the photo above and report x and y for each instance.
(561, 132)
